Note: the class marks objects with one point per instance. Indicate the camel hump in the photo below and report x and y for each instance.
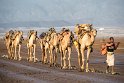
(79, 28)
(42, 35)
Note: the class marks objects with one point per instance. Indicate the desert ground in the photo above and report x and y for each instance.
(12, 71)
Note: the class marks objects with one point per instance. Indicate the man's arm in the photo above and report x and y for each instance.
(116, 46)
(109, 44)
(103, 46)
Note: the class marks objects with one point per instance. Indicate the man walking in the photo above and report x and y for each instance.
(111, 46)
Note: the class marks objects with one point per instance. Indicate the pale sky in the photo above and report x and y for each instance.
(102, 12)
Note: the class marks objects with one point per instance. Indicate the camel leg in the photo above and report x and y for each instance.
(9, 56)
(83, 59)
(9, 52)
(43, 55)
(51, 57)
(19, 52)
(15, 57)
(41, 52)
(12, 51)
(61, 58)
(45, 58)
(30, 53)
(79, 57)
(64, 59)
(55, 57)
(87, 61)
(29, 50)
(34, 52)
(69, 57)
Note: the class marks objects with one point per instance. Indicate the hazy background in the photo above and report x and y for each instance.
(46, 13)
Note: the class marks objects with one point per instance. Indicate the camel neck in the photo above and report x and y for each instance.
(92, 38)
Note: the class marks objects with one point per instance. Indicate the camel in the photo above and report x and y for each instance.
(31, 45)
(46, 46)
(53, 44)
(16, 42)
(8, 42)
(65, 47)
(49, 45)
(42, 41)
(84, 42)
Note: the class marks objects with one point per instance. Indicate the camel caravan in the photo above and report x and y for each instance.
(52, 43)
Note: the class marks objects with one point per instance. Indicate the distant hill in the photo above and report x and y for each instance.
(36, 24)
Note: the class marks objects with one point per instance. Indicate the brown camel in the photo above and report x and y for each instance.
(50, 42)
(65, 47)
(17, 41)
(54, 42)
(31, 45)
(85, 41)
(8, 42)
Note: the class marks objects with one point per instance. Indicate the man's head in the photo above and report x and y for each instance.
(111, 39)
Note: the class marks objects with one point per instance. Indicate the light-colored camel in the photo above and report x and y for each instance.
(8, 42)
(16, 43)
(27, 40)
(65, 47)
(31, 45)
(49, 44)
(85, 41)
(54, 42)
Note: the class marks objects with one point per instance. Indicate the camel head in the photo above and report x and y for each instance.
(76, 30)
(33, 33)
(51, 30)
(72, 37)
(68, 34)
(63, 29)
(7, 35)
(11, 34)
(21, 35)
(94, 32)
(87, 27)
(18, 34)
(47, 37)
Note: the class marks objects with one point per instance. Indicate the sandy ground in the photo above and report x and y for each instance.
(12, 71)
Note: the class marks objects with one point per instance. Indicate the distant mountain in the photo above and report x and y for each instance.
(36, 24)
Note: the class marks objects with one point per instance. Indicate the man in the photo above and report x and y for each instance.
(111, 46)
